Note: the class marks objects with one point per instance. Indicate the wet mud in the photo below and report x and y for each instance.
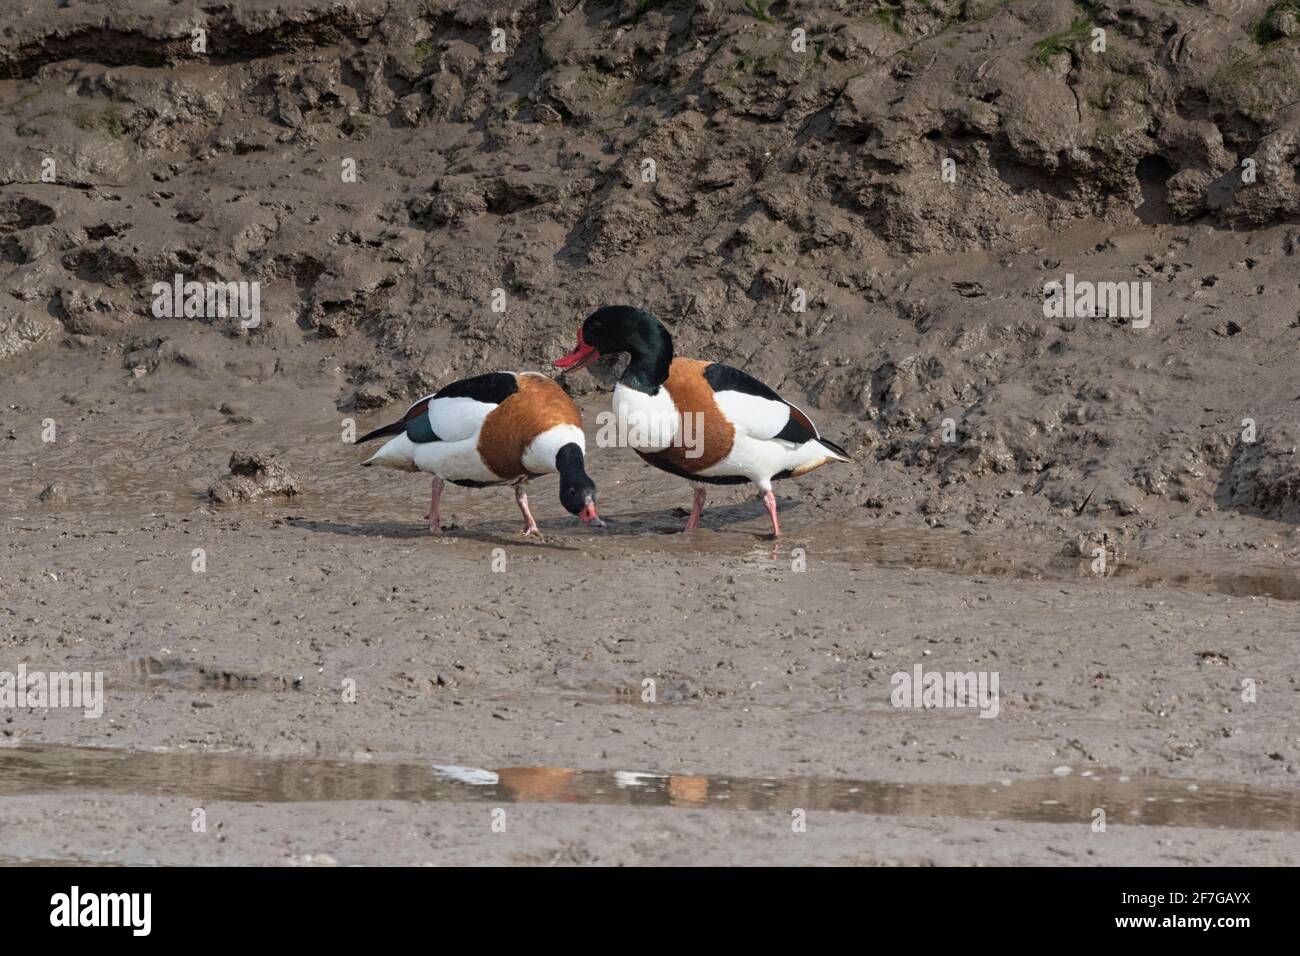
(1103, 515)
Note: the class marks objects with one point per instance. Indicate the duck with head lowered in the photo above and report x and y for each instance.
(502, 428)
(703, 421)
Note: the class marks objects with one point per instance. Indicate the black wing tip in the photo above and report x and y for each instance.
(491, 388)
(835, 448)
(390, 429)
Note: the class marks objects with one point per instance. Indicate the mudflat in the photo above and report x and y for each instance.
(1043, 291)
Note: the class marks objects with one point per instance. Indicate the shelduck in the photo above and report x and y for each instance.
(702, 421)
(503, 428)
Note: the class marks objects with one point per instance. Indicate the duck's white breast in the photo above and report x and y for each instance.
(647, 423)
(539, 456)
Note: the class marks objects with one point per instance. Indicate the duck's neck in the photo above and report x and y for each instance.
(652, 357)
(569, 463)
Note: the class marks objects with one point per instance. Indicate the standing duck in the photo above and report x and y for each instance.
(503, 428)
(706, 422)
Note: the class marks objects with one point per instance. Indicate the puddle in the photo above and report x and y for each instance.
(1140, 800)
(1280, 583)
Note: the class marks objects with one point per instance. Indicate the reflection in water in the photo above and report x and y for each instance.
(1144, 800)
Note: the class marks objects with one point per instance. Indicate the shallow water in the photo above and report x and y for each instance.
(972, 555)
(737, 550)
(1072, 799)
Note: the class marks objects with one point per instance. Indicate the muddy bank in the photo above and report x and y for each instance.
(437, 199)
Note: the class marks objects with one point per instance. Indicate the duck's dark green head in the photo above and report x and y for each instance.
(622, 328)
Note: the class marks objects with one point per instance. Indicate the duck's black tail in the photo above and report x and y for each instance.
(834, 447)
(393, 429)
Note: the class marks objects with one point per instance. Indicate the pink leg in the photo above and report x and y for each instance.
(697, 509)
(435, 524)
(530, 526)
(769, 500)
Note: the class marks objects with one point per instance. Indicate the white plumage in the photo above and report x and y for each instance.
(457, 418)
(396, 453)
(539, 456)
(647, 423)
(753, 415)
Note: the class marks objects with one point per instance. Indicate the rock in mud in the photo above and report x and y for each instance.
(51, 492)
(1264, 476)
(19, 332)
(253, 476)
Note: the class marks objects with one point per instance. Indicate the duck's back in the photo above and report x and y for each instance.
(516, 436)
(704, 436)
